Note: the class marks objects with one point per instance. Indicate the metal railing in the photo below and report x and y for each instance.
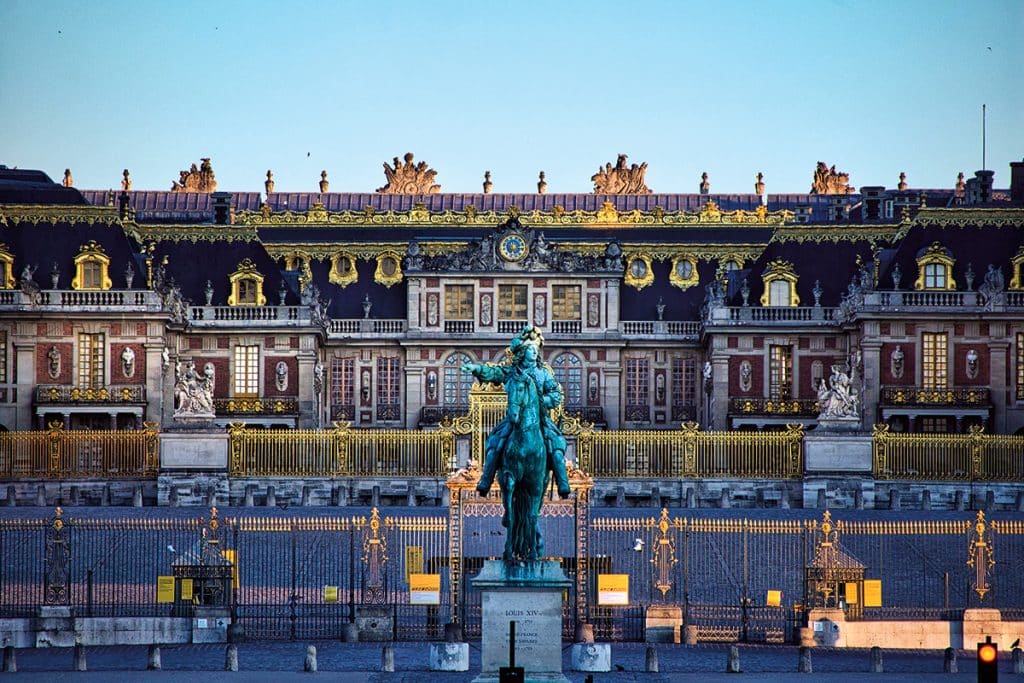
(921, 396)
(255, 406)
(57, 393)
(340, 452)
(974, 456)
(689, 452)
(60, 454)
(771, 406)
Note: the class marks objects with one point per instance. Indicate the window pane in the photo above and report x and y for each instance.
(512, 302)
(456, 383)
(778, 293)
(458, 302)
(91, 360)
(637, 385)
(388, 388)
(565, 302)
(933, 360)
(247, 370)
(343, 381)
(780, 372)
(569, 373)
(1020, 366)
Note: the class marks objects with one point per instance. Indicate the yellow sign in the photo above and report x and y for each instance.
(774, 598)
(165, 589)
(613, 589)
(232, 557)
(330, 594)
(851, 593)
(186, 589)
(413, 561)
(872, 593)
(424, 589)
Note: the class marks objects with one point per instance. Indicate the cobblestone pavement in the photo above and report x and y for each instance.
(278, 662)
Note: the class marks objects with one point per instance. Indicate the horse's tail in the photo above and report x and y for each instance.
(521, 505)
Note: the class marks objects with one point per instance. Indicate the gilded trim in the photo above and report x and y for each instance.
(35, 214)
(779, 270)
(91, 253)
(1016, 266)
(643, 275)
(679, 279)
(246, 272)
(7, 259)
(338, 275)
(935, 254)
(387, 279)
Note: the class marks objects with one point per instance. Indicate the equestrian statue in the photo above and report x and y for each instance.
(526, 447)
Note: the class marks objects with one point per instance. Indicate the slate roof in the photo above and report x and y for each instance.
(19, 186)
(834, 264)
(163, 206)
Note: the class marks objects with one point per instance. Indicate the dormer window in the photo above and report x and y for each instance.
(935, 268)
(343, 269)
(91, 268)
(779, 285)
(1017, 269)
(246, 286)
(6, 268)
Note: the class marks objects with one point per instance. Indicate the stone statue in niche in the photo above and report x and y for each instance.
(838, 399)
(281, 375)
(365, 390)
(193, 392)
(593, 310)
(53, 362)
(896, 362)
(318, 378)
(659, 387)
(707, 373)
(746, 375)
(431, 385)
(485, 310)
(972, 363)
(128, 362)
(593, 388)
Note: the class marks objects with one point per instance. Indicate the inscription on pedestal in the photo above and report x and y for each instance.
(538, 617)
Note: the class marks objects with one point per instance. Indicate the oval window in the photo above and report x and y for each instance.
(638, 268)
(684, 269)
(388, 266)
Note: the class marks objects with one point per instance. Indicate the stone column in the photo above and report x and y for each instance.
(414, 393)
(612, 396)
(872, 382)
(719, 392)
(412, 302)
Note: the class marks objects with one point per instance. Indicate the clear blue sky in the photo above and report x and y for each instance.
(730, 88)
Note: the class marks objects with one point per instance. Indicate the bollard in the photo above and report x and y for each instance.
(724, 501)
(271, 497)
(690, 634)
(411, 499)
(231, 658)
(387, 659)
(949, 661)
(584, 633)
(12, 499)
(153, 658)
(349, 633)
(248, 500)
(691, 497)
(309, 664)
(876, 660)
(137, 497)
(822, 499)
(105, 496)
(651, 661)
(375, 497)
(307, 494)
(732, 666)
(894, 500)
(926, 500)
(80, 658)
(11, 662)
(803, 664)
(172, 497)
(1018, 661)
(41, 496)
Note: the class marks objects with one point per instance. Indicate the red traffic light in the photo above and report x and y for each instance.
(987, 653)
(988, 661)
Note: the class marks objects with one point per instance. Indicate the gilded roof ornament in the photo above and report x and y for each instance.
(829, 181)
(196, 179)
(409, 178)
(620, 179)
(126, 181)
(268, 184)
(68, 180)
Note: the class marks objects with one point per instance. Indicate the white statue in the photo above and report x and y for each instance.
(193, 392)
(840, 398)
(128, 362)
(281, 375)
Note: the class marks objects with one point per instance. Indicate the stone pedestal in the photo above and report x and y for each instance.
(193, 450)
(531, 595)
(376, 624)
(662, 624)
(449, 656)
(591, 657)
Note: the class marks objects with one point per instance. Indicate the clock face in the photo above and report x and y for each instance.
(512, 247)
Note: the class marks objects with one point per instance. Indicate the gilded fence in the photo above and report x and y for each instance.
(61, 454)
(690, 452)
(974, 456)
(340, 451)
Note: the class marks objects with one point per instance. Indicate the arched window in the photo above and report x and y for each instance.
(569, 373)
(779, 284)
(246, 286)
(91, 266)
(935, 268)
(456, 383)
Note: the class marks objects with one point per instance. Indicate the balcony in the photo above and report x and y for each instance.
(762, 412)
(255, 406)
(431, 415)
(941, 300)
(566, 326)
(459, 326)
(919, 396)
(660, 328)
(374, 327)
(772, 315)
(266, 316)
(121, 300)
(54, 394)
(512, 326)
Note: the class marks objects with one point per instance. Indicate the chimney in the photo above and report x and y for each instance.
(872, 195)
(802, 214)
(985, 179)
(837, 207)
(1017, 182)
(221, 208)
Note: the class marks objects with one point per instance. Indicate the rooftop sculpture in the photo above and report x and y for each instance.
(829, 181)
(196, 179)
(619, 179)
(407, 178)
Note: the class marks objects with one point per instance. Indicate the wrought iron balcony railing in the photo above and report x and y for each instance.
(435, 414)
(255, 406)
(774, 406)
(374, 326)
(921, 396)
(62, 394)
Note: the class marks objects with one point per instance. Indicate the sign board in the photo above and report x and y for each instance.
(851, 593)
(330, 594)
(413, 561)
(613, 589)
(872, 592)
(165, 589)
(424, 589)
(186, 589)
(232, 557)
(774, 599)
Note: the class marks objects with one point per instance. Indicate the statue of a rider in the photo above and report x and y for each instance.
(524, 366)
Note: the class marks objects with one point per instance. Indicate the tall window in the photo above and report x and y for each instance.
(248, 290)
(92, 275)
(637, 389)
(458, 302)
(247, 370)
(935, 276)
(778, 293)
(1020, 366)
(933, 360)
(388, 388)
(456, 383)
(565, 302)
(780, 367)
(91, 358)
(343, 388)
(512, 303)
(3, 357)
(684, 386)
(569, 373)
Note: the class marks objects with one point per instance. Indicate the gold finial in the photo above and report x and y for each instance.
(126, 182)
(759, 185)
(268, 184)
(961, 186)
(542, 185)
(487, 182)
(324, 184)
(68, 181)
(902, 185)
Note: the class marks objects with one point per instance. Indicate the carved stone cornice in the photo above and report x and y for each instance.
(969, 218)
(13, 214)
(836, 233)
(324, 251)
(709, 215)
(191, 233)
